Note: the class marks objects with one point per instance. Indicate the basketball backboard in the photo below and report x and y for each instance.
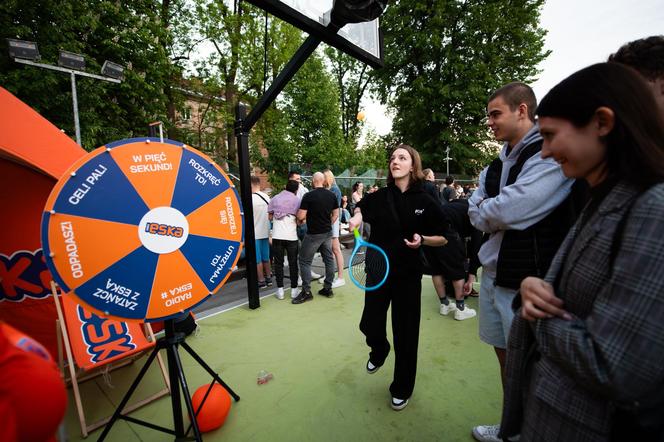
(359, 40)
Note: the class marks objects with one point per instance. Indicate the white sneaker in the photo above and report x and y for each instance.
(315, 275)
(338, 283)
(487, 433)
(466, 313)
(446, 309)
(294, 292)
(280, 293)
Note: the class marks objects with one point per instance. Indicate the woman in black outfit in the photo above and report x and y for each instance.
(403, 218)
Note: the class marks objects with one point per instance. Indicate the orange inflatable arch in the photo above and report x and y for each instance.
(33, 155)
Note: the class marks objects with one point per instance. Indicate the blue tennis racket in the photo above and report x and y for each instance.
(368, 265)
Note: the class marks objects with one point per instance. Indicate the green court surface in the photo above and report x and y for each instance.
(320, 390)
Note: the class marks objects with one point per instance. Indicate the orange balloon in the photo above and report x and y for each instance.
(361, 116)
(215, 409)
(33, 398)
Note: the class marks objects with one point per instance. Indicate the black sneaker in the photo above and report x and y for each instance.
(262, 284)
(268, 282)
(326, 292)
(303, 297)
(398, 404)
(371, 368)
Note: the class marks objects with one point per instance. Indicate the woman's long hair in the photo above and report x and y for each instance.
(356, 186)
(416, 174)
(635, 145)
(329, 178)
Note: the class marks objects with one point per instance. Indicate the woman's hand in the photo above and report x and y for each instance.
(355, 221)
(415, 243)
(538, 301)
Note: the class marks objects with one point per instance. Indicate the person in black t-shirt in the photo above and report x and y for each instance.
(403, 218)
(448, 192)
(320, 209)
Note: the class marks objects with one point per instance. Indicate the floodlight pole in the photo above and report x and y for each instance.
(74, 98)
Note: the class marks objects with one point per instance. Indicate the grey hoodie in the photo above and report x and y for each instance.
(539, 188)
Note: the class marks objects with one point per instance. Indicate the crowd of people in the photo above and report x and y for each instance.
(566, 224)
(283, 223)
(571, 284)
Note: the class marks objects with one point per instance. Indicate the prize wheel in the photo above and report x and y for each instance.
(142, 230)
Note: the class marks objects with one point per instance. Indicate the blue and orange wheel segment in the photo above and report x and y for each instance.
(143, 230)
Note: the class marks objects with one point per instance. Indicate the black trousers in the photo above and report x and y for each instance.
(292, 249)
(404, 293)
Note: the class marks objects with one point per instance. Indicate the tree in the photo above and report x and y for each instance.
(304, 126)
(273, 134)
(131, 34)
(374, 152)
(202, 118)
(222, 25)
(443, 58)
(312, 109)
(245, 53)
(352, 77)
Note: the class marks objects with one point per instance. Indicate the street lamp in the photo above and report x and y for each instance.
(113, 70)
(72, 61)
(25, 52)
(447, 159)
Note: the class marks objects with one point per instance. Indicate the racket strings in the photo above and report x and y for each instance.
(357, 265)
(368, 266)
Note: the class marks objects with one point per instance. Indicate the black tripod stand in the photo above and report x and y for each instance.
(170, 342)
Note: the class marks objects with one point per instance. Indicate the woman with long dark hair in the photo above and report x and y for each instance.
(403, 218)
(585, 358)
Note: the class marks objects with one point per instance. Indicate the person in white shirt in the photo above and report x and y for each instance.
(282, 211)
(260, 201)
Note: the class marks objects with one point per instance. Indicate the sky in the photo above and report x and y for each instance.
(580, 33)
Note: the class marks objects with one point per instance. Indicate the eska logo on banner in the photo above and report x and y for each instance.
(24, 275)
(104, 338)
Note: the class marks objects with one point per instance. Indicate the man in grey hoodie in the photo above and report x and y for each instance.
(515, 206)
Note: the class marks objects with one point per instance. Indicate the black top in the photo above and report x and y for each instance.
(456, 213)
(447, 194)
(430, 188)
(418, 213)
(319, 204)
(529, 252)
